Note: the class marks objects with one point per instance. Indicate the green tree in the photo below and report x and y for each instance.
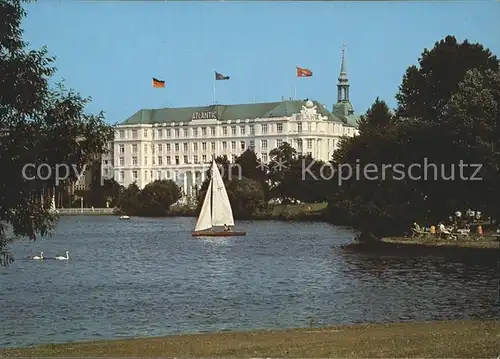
(246, 197)
(249, 165)
(445, 116)
(280, 169)
(367, 200)
(309, 179)
(111, 192)
(102, 190)
(426, 89)
(156, 198)
(129, 201)
(40, 125)
(377, 118)
(251, 169)
(473, 118)
(295, 177)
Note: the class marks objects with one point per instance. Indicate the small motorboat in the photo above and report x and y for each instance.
(124, 217)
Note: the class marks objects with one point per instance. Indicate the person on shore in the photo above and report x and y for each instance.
(443, 231)
(415, 229)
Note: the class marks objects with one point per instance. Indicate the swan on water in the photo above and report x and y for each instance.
(61, 258)
(38, 257)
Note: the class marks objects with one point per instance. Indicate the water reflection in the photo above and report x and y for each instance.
(150, 277)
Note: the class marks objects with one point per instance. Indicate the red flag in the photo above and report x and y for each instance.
(302, 72)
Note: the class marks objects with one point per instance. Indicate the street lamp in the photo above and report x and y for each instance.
(81, 203)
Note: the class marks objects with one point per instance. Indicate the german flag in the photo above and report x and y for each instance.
(158, 83)
(301, 72)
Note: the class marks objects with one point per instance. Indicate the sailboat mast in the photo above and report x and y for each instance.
(212, 196)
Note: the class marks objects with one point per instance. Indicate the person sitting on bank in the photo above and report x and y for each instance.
(444, 232)
(415, 229)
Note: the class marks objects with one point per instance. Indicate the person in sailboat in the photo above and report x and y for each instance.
(227, 228)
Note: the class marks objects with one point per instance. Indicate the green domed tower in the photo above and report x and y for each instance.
(343, 108)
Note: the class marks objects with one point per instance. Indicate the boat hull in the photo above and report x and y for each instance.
(218, 234)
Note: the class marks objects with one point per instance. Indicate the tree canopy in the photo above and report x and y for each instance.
(40, 125)
(447, 115)
(427, 88)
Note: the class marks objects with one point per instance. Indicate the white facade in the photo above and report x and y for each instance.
(182, 152)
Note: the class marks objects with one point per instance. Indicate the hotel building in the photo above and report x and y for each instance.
(179, 143)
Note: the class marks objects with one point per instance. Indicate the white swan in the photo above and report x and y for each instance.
(38, 257)
(61, 258)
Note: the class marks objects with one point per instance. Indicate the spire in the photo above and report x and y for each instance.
(343, 71)
(343, 84)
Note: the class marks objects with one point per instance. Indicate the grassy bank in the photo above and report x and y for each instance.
(87, 214)
(290, 212)
(484, 242)
(293, 212)
(483, 249)
(465, 339)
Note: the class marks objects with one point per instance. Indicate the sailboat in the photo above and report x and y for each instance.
(216, 210)
(53, 208)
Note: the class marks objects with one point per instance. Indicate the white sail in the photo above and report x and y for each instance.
(221, 208)
(53, 205)
(205, 218)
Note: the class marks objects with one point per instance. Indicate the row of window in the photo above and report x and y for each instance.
(196, 158)
(226, 130)
(204, 146)
(170, 160)
(210, 131)
(148, 175)
(135, 173)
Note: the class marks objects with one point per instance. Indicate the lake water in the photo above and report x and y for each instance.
(149, 277)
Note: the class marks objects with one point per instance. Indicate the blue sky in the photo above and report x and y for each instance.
(110, 50)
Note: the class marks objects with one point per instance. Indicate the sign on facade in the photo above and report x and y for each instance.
(204, 115)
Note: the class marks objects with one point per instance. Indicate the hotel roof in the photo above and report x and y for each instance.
(229, 112)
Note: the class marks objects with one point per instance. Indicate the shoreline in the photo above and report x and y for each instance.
(315, 212)
(482, 250)
(406, 339)
(309, 212)
(486, 242)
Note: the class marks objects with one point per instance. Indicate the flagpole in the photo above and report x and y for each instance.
(214, 94)
(295, 85)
